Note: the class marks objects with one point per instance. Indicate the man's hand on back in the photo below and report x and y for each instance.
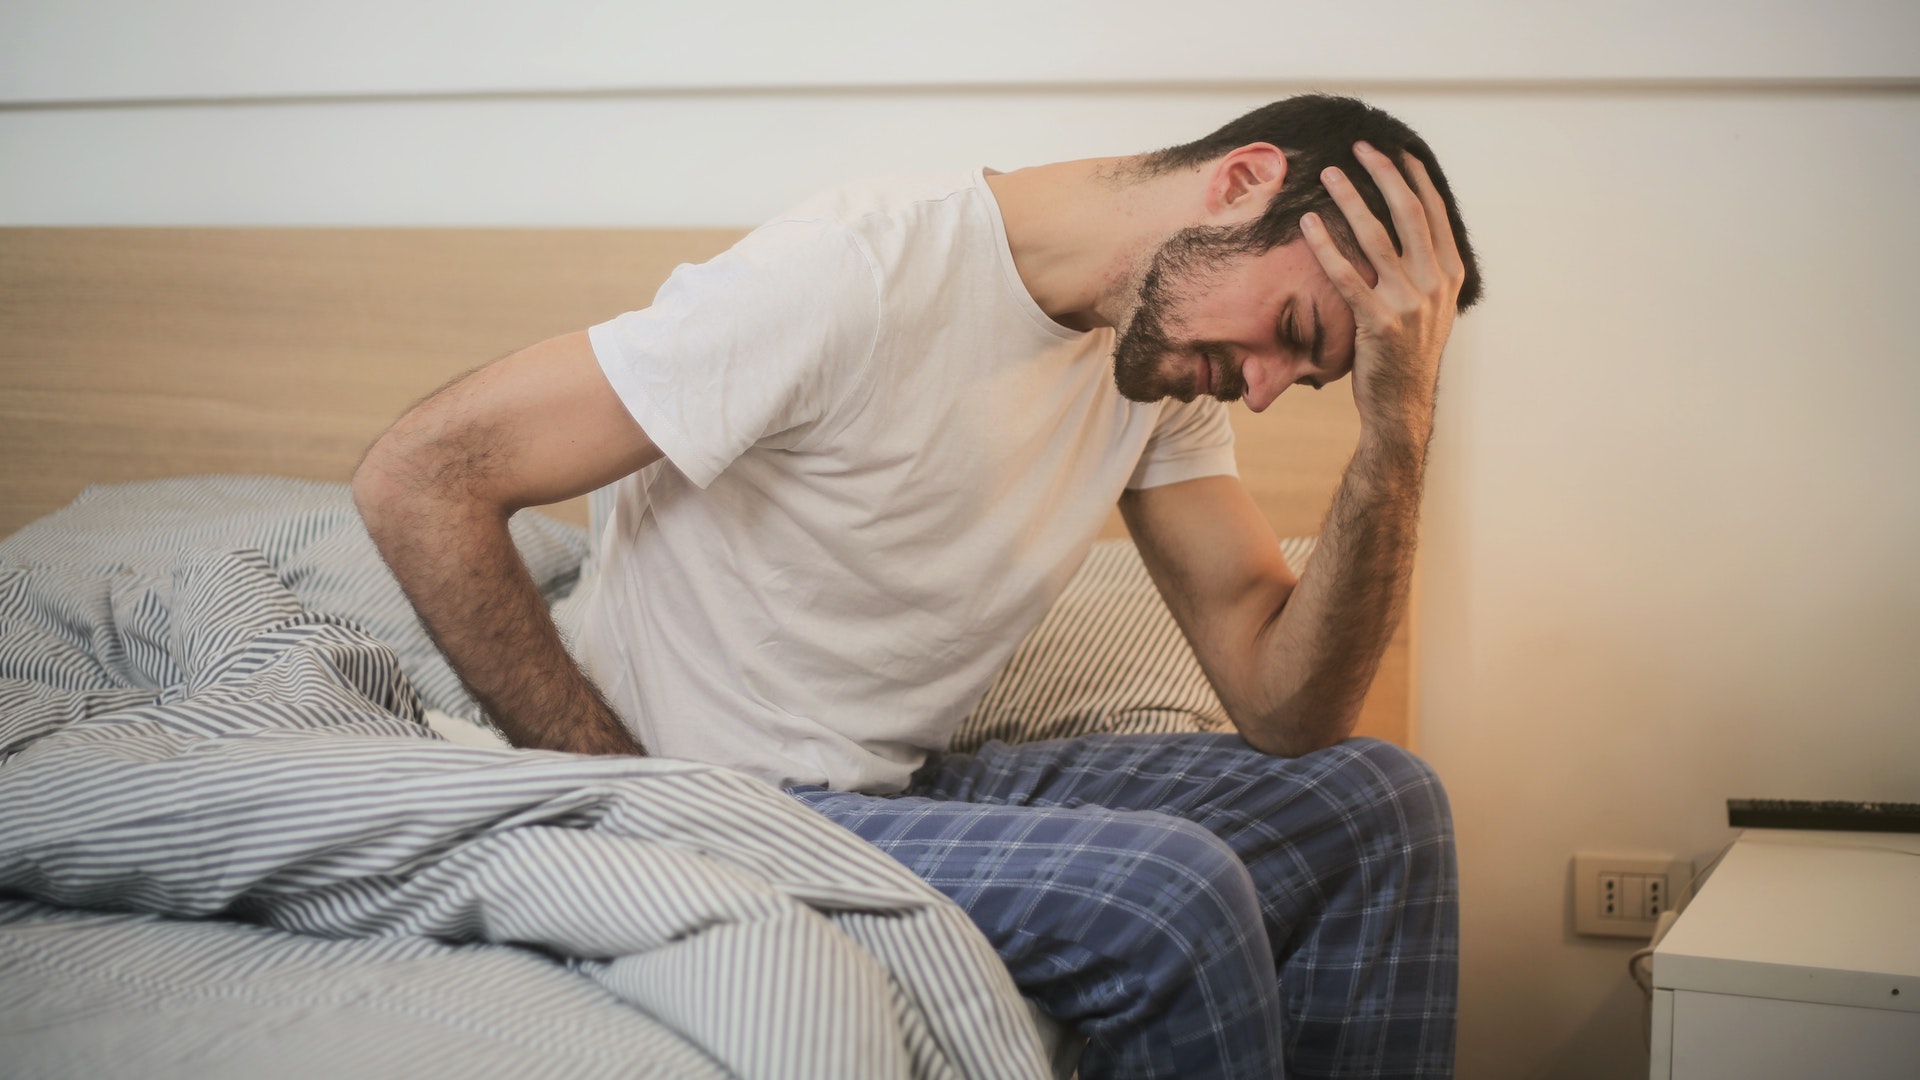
(436, 492)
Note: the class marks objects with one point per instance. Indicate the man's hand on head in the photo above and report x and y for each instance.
(1293, 659)
(1403, 318)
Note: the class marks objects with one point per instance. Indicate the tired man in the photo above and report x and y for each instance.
(859, 454)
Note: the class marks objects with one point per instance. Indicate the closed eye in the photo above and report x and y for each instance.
(1298, 343)
(1291, 332)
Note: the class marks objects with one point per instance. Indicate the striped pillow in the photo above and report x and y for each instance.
(1108, 657)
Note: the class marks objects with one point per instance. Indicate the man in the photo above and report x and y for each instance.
(857, 457)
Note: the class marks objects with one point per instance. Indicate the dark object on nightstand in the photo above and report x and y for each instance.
(1838, 815)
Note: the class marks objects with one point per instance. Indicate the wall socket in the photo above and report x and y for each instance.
(1623, 894)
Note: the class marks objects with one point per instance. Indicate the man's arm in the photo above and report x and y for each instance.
(1292, 659)
(437, 490)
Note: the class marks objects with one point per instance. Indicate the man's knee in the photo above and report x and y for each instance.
(1183, 914)
(1369, 788)
(1342, 826)
(1160, 892)
(1387, 789)
(1392, 846)
(1152, 945)
(1194, 871)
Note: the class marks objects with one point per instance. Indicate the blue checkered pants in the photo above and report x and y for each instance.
(1147, 889)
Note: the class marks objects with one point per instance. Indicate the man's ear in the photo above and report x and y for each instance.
(1243, 181)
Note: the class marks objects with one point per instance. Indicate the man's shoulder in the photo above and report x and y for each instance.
(880, 205)
(930, 240)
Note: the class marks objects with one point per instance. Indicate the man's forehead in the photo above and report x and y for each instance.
(1295, 259)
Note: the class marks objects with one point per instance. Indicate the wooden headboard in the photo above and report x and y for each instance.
(130, 354)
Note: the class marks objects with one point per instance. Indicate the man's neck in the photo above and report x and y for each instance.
(1080, 232)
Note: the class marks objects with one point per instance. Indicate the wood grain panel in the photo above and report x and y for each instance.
(130, 354)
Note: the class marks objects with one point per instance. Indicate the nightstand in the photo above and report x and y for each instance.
(1799, 959)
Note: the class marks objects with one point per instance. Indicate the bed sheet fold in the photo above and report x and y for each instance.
(198, 743)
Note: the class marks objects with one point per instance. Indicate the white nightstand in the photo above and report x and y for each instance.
(1799, 959)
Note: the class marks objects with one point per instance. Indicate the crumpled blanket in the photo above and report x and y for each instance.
(201, 745)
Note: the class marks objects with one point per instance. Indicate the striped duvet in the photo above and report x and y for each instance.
(229, 847)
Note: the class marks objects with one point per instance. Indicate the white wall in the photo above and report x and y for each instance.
(64, 50)
(1673, 508)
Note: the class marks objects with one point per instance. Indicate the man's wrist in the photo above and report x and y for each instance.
(1402, 418)
(1395, 451)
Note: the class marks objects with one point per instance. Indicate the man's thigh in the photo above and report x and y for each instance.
(1291, 820)
(1191, 774)
(1350, 855)
(974, 851)
(1139, 929)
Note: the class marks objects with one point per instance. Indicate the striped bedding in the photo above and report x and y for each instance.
(1107, 657)
(229, 847)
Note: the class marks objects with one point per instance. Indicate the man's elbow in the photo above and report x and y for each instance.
(1296, 730)
(378, 484)
(411, 478)
(399, 483)
(1291, 744)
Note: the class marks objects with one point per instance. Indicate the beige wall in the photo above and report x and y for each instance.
(1670, 534)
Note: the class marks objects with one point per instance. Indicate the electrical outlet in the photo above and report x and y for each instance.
(1623, 894)
(1653, 896)
(1610, 896)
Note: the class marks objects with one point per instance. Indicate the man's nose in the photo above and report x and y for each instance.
(1266, 380)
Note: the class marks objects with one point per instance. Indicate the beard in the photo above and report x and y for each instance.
(1180, 268)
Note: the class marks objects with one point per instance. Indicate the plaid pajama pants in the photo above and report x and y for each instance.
(1196, 908)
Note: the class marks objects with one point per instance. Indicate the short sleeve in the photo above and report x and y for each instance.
(764, 340)
(1192, 439)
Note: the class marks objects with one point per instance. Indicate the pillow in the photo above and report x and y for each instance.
(309, 532)
(1107, 657)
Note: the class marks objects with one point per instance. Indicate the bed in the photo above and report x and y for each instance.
(249, 821)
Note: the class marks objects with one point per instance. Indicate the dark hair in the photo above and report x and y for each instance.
(1315, 131)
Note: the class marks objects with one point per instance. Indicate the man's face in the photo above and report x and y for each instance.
(1233, 325)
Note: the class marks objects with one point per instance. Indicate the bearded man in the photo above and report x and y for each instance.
(858, 455)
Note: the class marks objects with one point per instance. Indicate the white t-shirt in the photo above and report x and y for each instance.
(883, 462)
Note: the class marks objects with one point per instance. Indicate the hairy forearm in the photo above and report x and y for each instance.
(456, 562)
(1318, 648)
(1319, 655)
